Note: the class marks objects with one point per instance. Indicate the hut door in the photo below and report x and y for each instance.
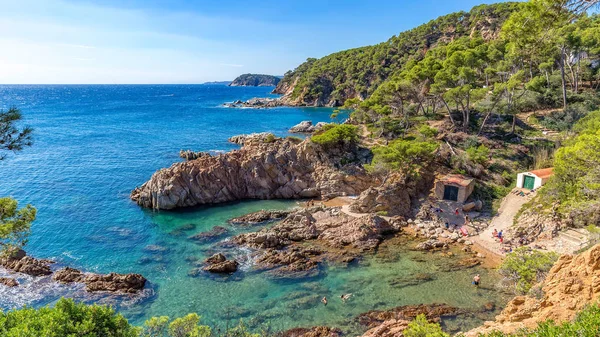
(451, 193)
(529, 182)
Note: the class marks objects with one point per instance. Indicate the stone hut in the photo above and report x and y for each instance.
(454, 187)
(534, 179)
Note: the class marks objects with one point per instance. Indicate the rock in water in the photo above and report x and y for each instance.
(113, 282)
(258, 217)
(281, 169)
(303, 127)
(21, 263)
(9, 282)
(319, 331)
(219, 264)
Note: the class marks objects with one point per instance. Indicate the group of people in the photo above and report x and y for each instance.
(344, 298)
(498, 235)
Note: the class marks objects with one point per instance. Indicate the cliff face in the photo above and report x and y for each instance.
(356, 73)
(571, 284)
(255, 80)
(281, 169)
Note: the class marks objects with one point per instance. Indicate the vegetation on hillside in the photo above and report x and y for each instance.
(255, 80)
(356, 73)
(336, 134)
(525, 267)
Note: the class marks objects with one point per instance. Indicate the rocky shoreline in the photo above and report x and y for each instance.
(264, 168)
(20, 262)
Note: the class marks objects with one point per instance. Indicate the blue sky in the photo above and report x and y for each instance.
(177, 41)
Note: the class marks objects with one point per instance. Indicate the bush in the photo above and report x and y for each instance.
(270, 138)
(401, 154)
(479, 155)
(427, 131)
(562, 120)
(525, 267)
(420, 327)
(332, 134)
(66, 318)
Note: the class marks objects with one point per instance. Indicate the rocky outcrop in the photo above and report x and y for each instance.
(256, 103)
(255, 80)
(391, 323)
(294, 262)
(307, 127)
(219, 264)
(329, 226)
(572, 283)
(191, 155)
(259, 217)
(282, 169)
(263, 137)
(113, 282)
(21, 263)
(395, 196)
(319, 331)
(9, 282)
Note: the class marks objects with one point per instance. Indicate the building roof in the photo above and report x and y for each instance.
(457, 179)
(543, 173)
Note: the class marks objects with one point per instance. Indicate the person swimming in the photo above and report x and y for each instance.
(476, 280)
(324, 300)
(345, 297)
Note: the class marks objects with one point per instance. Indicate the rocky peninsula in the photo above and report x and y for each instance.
(264, 168)
(255, 80)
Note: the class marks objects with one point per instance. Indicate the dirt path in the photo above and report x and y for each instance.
(509, 208)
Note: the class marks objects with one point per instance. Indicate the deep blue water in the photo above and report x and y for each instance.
(94, 144)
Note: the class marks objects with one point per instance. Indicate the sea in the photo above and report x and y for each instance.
(93, 144)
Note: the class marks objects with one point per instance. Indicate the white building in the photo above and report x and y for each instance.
(534, 179)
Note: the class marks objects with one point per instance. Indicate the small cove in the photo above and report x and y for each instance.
(93, 144)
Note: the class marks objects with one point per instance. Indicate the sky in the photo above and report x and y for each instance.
(193, 41)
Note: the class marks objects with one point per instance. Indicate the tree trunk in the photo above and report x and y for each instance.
(514, 124)
(562, 76)
(449, 111)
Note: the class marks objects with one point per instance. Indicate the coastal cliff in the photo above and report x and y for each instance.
(572, 284)
(356, 73)
(264, 168)
(255, 80)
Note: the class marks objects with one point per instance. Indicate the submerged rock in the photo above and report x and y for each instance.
(113, 282)
(215, 233)
(259, 217)
(295, 262)
(318, 331)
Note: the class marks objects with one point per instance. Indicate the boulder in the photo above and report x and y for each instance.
(259, 217)
(9, 282)
(303, 127)
(225, 267)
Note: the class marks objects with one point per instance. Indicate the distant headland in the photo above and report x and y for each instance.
(255, 80)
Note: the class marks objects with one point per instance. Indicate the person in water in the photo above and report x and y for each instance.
(345, 297)
(324, 300)
(476, 280)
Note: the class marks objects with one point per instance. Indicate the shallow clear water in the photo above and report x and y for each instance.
(94, 144)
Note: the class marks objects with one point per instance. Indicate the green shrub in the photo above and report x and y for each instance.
(401, 154)
(420, 327)
(525, 267)
(479, 155)
(270, 138)
(427, 131)
(382, 213)
(332, 134)
(563, 120)
(66, 318)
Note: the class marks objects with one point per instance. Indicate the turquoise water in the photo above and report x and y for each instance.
(94, 144)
